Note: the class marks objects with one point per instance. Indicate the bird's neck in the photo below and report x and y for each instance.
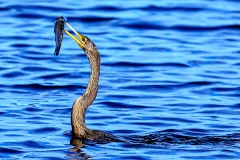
(92, 88)
(80, 106)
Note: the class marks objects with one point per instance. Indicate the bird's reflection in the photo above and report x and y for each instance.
(76, 152)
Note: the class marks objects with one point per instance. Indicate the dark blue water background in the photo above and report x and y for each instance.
(169, 79)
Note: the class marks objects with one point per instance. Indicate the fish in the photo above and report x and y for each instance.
(58, 31)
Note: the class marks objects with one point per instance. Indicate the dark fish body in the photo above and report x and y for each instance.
(58, 31)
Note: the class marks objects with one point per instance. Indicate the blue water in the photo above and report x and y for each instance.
(169, 81)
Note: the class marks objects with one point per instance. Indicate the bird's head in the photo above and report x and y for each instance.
(83, 41)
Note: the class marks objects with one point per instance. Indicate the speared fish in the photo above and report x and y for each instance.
(58, 31)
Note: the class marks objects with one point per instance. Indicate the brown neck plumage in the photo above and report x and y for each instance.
(81, 104)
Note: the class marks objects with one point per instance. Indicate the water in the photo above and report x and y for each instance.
(169, 80)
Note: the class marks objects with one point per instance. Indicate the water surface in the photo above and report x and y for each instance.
(169, 79)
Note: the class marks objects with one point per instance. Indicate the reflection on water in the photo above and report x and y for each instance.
(168, 87)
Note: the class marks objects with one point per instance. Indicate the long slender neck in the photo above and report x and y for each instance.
(80, 106)
(92, 88)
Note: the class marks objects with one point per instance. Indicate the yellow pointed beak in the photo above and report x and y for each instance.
(78, 39)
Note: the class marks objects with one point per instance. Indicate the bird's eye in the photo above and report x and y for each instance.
(84, 39)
